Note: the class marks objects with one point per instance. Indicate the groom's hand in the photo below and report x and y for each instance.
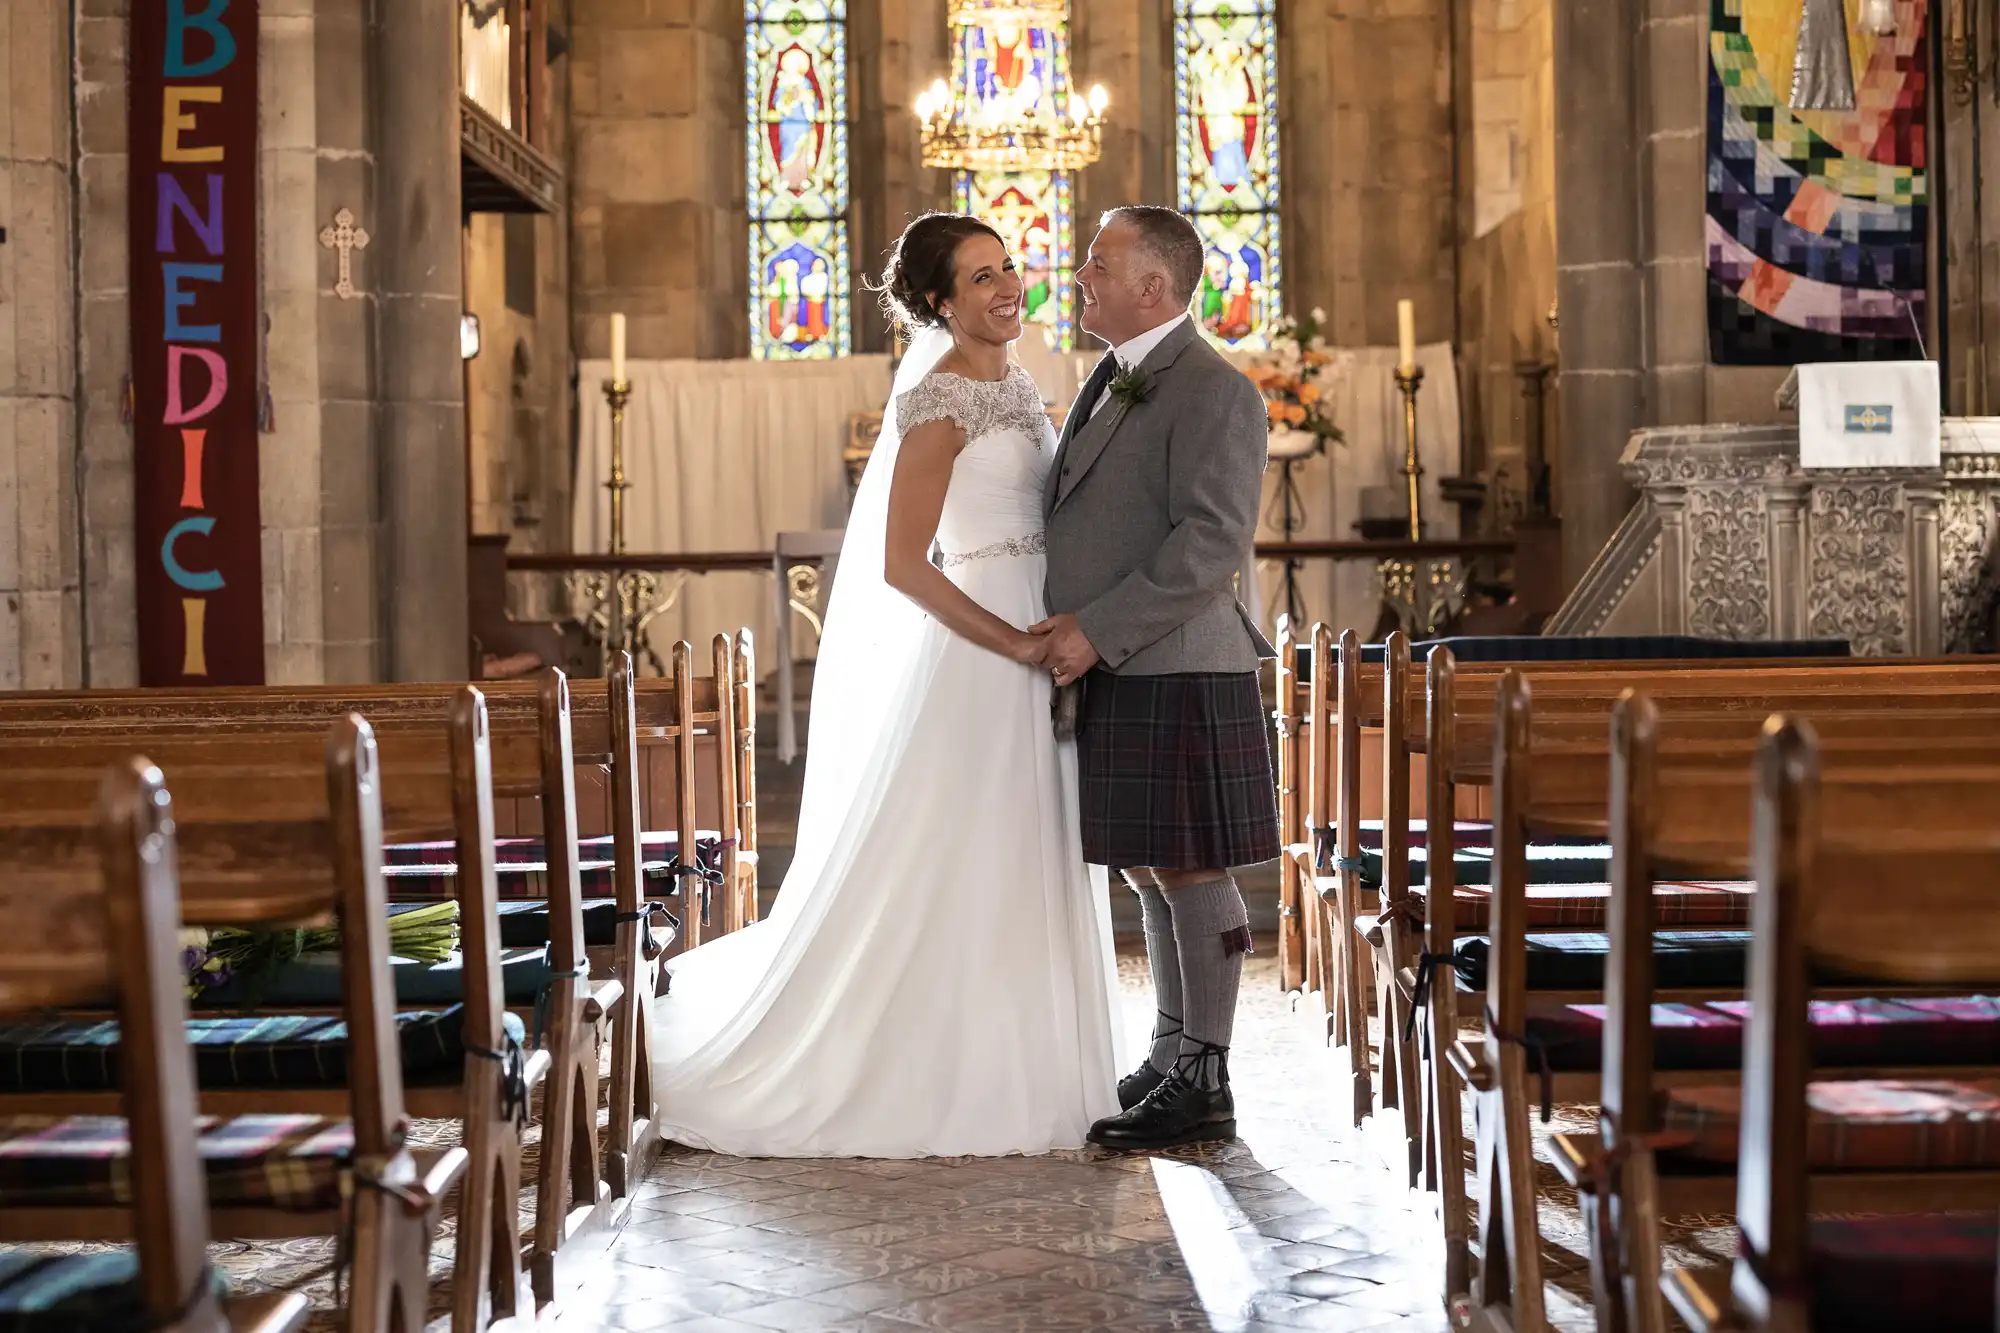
(1069, 653)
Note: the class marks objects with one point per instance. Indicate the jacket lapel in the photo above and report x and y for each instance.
(1087, 442)
(1073, 425)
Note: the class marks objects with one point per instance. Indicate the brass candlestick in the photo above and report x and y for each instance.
(618, 393)
(1409, 381)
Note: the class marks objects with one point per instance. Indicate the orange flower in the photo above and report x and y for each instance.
(1308, 393)
(1295, 415)
(1276, 410)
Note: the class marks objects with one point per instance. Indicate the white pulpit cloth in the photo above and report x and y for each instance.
(1869, 414)
(722, 456)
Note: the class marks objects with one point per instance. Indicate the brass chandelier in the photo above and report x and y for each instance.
(973, 124)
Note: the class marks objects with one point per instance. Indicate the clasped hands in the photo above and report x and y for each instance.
(1059, 645)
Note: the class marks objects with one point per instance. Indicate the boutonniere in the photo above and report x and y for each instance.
(1131, 386)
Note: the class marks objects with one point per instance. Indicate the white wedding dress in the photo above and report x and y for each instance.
(936, 977)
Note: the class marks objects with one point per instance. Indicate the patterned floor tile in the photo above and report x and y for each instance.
(1299, 1226)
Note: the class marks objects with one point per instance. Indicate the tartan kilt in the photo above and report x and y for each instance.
(1175, 771)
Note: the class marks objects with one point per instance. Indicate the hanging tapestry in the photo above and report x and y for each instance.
(1816, 219)
(196, 326)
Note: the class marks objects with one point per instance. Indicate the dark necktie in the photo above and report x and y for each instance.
(1093, 389)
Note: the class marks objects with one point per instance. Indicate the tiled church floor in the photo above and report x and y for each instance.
(1301, 1225)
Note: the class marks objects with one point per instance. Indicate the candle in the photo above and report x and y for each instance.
(618, 349)
(1406, 336)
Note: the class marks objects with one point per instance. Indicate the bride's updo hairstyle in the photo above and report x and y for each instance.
(921, 270)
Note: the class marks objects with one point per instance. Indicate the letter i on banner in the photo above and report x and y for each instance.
(193, 123)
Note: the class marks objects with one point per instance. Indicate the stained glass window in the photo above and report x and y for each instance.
(1226, 163)
(795, 57)
(1014, 64)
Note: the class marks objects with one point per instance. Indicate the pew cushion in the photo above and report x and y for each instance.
(293, 1162)
(252, 1051)
(524, 923)
(97, 1291)
(522, 868)
(312, 981)
(1935, 1273)
(1863, 1125)
(1578, 861)
(1583, 906)
(1610, 648)
(1682, 960)
(1944, 1031)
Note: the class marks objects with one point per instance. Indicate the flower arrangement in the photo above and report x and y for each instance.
(1287, 375)
(213, 958)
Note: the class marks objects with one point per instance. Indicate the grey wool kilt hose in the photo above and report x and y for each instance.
(1175, 771)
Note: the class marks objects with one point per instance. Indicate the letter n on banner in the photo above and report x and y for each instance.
(195, 315)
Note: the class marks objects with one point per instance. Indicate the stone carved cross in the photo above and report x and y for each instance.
(346, 238)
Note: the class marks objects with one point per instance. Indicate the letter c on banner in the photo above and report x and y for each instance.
(204, 581)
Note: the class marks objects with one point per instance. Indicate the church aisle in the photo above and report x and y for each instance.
(1298, 1226)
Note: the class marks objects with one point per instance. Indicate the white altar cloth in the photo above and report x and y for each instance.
(721, 456)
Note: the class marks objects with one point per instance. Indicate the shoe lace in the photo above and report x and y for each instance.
(1195, 1068)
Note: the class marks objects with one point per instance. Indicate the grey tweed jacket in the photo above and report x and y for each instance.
(1151, 510)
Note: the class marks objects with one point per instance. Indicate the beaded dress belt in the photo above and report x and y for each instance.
(1034, 544)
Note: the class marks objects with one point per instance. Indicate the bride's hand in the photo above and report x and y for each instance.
(1030, 649)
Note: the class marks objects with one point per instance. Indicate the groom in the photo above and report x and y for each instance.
(1151, 508)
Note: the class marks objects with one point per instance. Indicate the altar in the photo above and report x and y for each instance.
(1732, 539)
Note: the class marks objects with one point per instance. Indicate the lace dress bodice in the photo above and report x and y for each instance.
(993, 506)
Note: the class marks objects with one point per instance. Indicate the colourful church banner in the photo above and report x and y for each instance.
(1817, 219)
(195, 375)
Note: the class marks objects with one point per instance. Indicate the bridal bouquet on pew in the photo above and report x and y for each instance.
(1287, 374)
(214, 958)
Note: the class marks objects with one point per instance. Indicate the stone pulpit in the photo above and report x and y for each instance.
(1731, 539)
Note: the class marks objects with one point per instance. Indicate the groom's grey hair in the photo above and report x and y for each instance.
(1170, 239)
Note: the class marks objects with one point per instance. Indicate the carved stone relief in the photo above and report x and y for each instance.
(1858, 568)
(1728, 561)
(1966, 584)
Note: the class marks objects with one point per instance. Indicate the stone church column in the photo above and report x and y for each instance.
(416, 259)
(1128, 46)
(658, 226)
(894, 49)
(1598, 278)
(41, 638)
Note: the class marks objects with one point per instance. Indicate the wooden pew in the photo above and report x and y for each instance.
(1542, 791)
(270, 857)
(119, 947)
(686, 716)
(438, 769)
(1819, 905)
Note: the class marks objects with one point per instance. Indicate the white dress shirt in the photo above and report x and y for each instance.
(1134, 351)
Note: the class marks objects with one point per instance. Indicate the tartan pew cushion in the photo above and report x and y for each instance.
(1682, 960)
(94, 1292)
(1935, 1273)
(313, 981)
(1862, 1125)
(251, 1051)
(292, 1162)
(429, 868)
(1961, 1031)
(1699, 904)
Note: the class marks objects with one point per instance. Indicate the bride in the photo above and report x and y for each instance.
(935, 978)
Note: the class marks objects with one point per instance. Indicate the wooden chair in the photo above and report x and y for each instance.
(1821, 906)
(277, 858)
(66, 942)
